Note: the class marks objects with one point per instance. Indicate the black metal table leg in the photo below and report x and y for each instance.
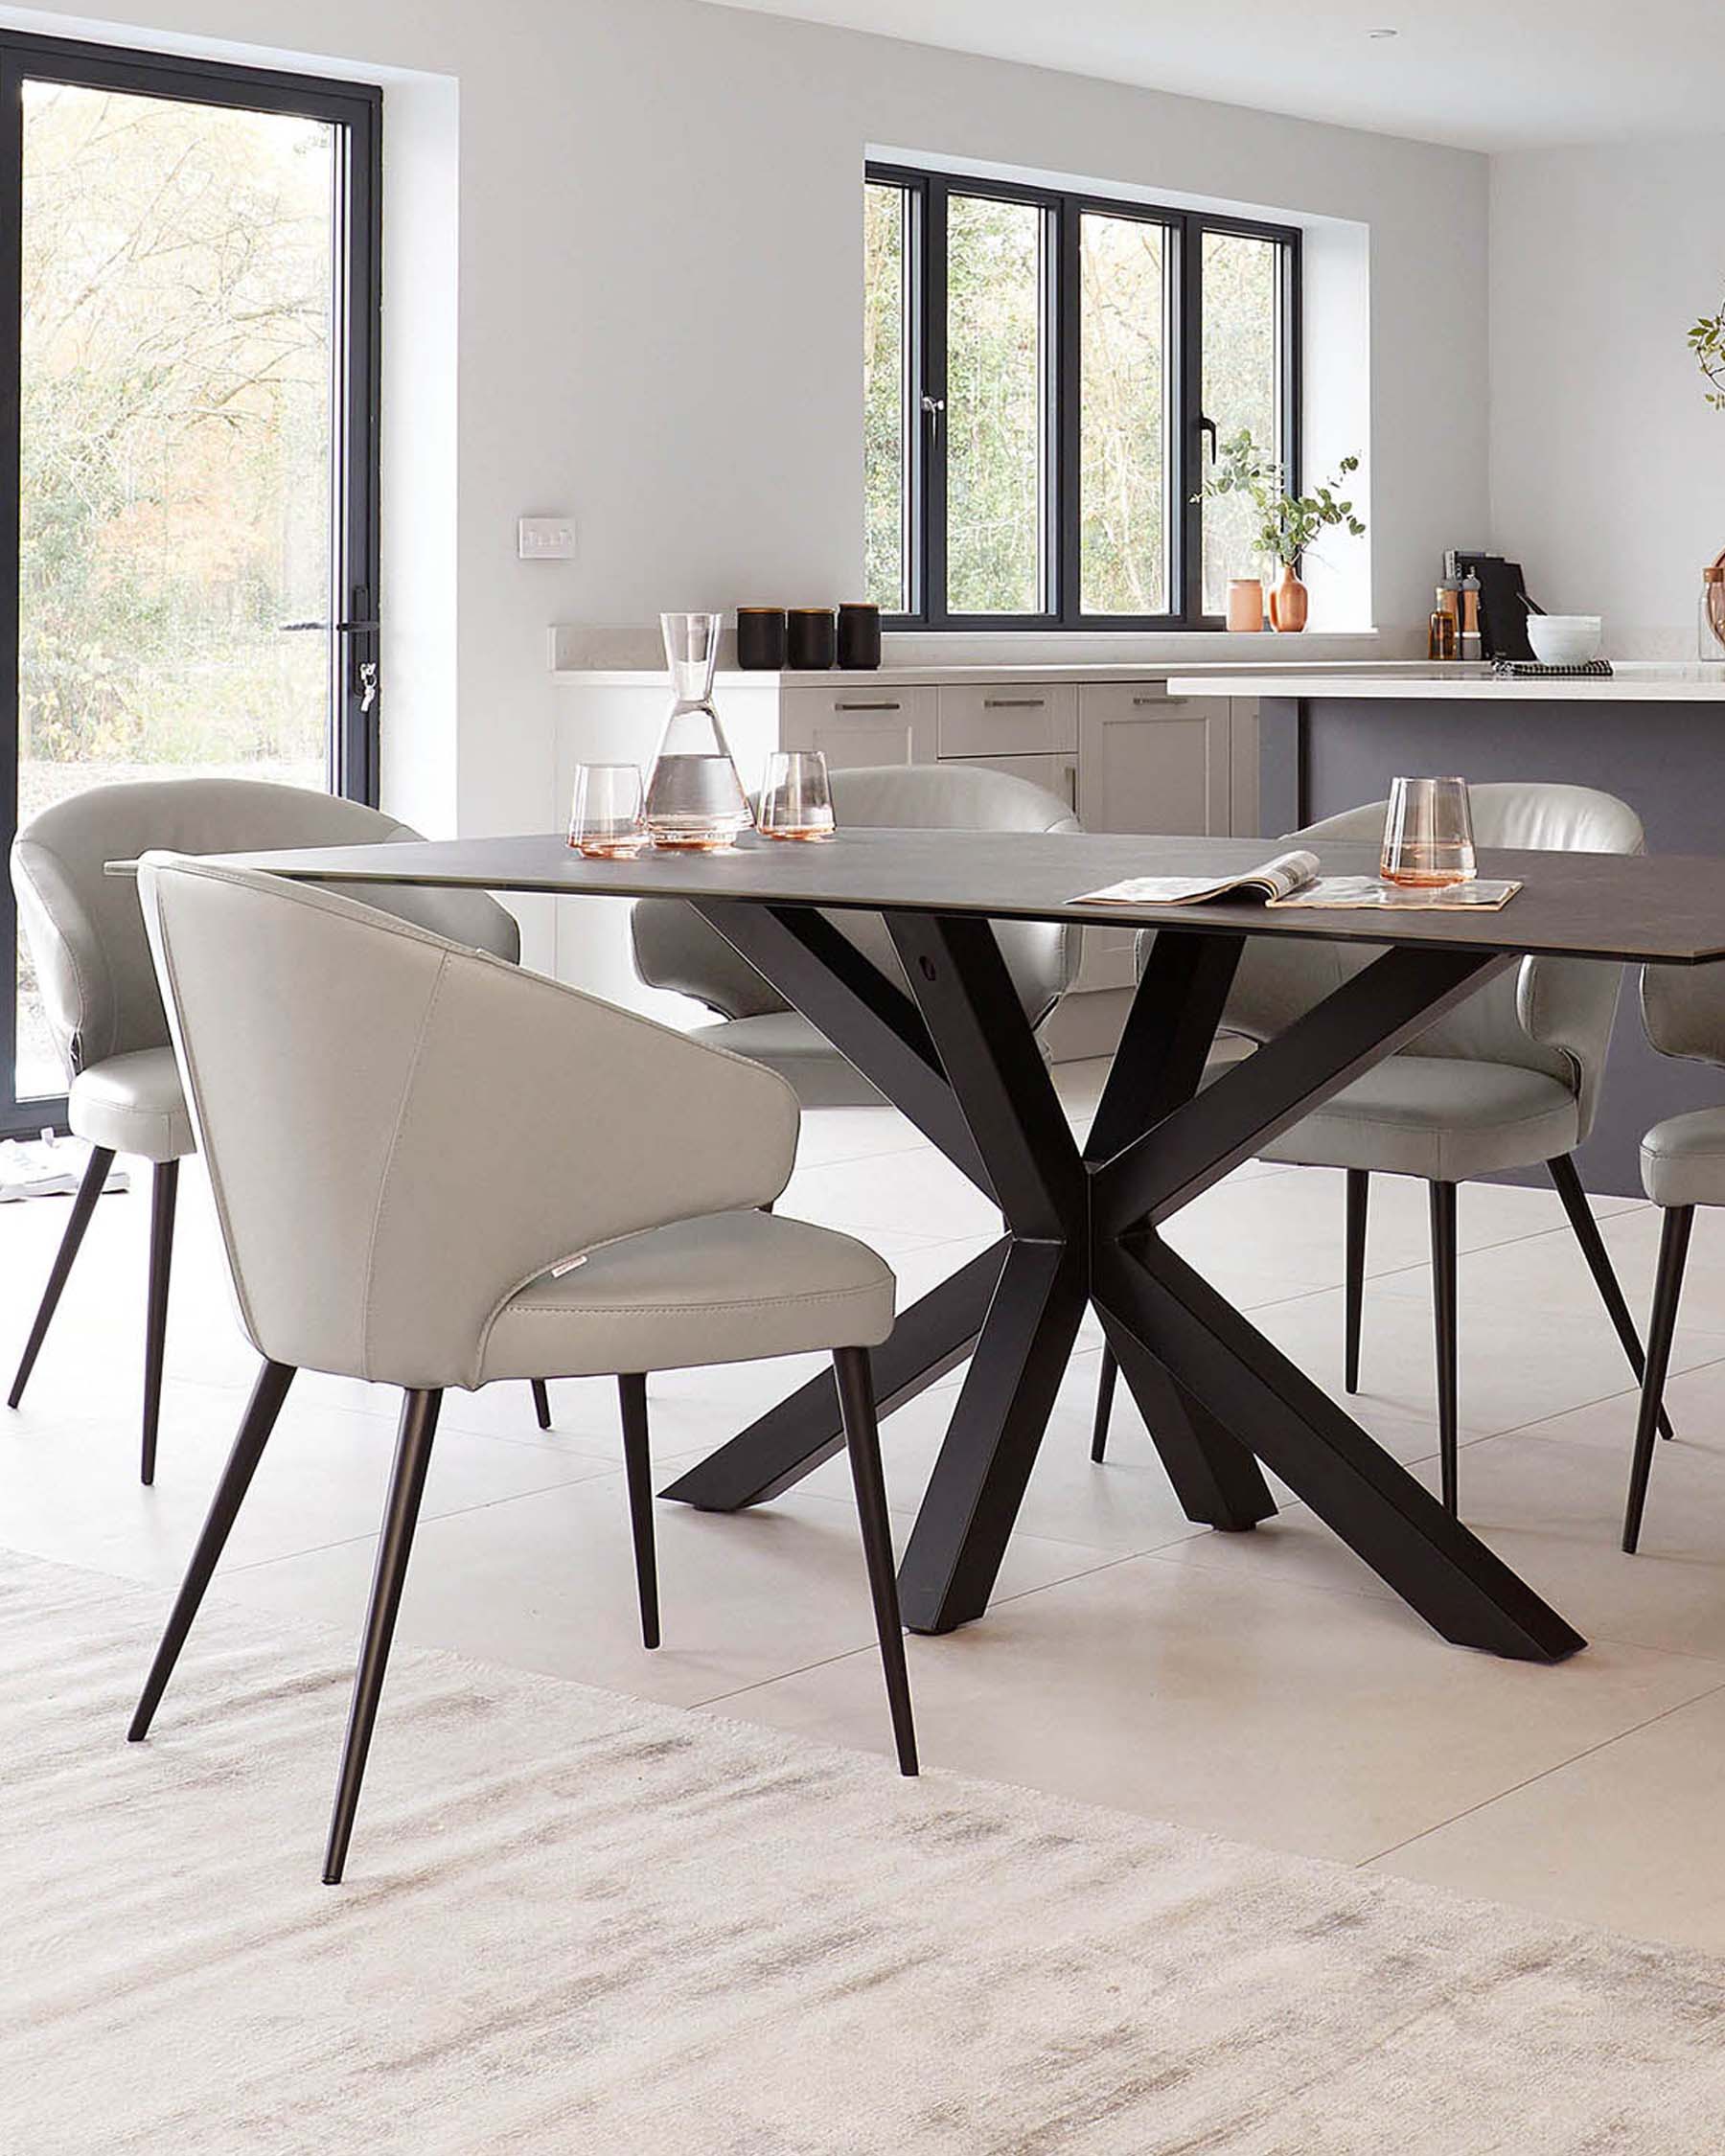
(949, 1567)
(1159, 1065)
(1373, 1502)
(959, 1054)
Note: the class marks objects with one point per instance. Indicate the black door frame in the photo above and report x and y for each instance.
(357, 110)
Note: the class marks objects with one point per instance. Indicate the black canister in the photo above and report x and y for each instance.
(760, 640)
(860, 636)
(809, 638)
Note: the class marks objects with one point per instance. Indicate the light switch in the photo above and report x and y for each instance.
(546, 538)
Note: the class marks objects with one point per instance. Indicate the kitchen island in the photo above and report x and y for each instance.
(1654, 735)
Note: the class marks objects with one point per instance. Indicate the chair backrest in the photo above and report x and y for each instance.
(673, 947)
(1550, 1015)
(1682, 1009)
(84, 928)
(401, 1131)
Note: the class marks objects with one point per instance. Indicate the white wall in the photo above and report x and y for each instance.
(1607, 469)
(656, 324)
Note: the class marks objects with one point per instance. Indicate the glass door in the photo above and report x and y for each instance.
(188, 394)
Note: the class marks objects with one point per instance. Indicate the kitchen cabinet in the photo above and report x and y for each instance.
(859, 724)
(1147, 761)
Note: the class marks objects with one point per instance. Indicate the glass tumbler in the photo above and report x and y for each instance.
(605, 817)
(1428, 834)
(797, 800)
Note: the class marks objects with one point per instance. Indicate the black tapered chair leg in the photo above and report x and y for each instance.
(164, 1196)
(637, 1470)
(1667, 1290)
(541, 1403)
(95, 1175)
(1106, 1377)
(1359, 1191)
(260, 1418)
(1443, 1314)
(855, 1378)
(1562, 1171)
(401, 1516)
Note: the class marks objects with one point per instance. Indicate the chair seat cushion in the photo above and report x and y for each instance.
(724, 1289)
(1682, 1159)
(133, 1104)
(801, 1054)
(1438, 1116)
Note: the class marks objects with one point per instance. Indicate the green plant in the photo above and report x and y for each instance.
(1287, 523)
(1707, 341)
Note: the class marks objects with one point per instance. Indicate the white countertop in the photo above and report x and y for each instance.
(1205, 677)
(1633, 681)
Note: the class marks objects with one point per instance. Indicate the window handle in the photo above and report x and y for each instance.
(935, 411)
(1208, 427)
(341, 627)
(1013, 704)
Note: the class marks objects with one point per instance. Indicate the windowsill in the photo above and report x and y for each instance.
(1101, 647)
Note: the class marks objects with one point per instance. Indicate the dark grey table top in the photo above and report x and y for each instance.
(1669, 907)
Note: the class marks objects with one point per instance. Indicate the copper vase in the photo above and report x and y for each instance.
(1288, 602)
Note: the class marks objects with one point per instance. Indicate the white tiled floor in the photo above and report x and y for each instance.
(1265, 1686)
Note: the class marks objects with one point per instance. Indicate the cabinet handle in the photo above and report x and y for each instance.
(839, 706)
(1071, 779)
(1155, 699)
(1013, 704)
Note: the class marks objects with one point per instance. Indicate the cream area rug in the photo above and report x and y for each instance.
(579, 1924)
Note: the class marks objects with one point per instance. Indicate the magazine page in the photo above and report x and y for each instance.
(1479, 895)
(1272, 879)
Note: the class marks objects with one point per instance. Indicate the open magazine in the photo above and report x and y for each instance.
(1292, 878)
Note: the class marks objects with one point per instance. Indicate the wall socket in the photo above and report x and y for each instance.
(546, 538)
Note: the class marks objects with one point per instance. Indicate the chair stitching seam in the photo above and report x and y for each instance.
(674, 1309)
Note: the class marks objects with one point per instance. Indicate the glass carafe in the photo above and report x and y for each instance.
(694, 799)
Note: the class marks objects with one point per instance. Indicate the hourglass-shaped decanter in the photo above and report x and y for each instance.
(695, 800)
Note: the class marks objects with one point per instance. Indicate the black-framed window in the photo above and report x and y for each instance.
(1045, 376)
(189, 310)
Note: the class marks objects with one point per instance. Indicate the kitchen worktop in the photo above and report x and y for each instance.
(1210, 674)
(1633, 681)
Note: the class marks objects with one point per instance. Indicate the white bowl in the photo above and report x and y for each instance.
(1565, 639)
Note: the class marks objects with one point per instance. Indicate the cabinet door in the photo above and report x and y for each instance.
(859, 727)
(1152, 763)
(1059, 774)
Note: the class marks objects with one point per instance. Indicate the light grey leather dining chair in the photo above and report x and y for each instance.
(1507, 1080)
(611, 1224)
(675, 948)
(1683, 1166)
(105, 1010)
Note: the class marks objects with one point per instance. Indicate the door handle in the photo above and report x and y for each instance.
(341, 627)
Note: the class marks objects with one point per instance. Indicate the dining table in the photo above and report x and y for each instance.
(946, 1038)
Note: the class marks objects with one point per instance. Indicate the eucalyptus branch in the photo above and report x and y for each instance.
(1707, 341)
(1287, 523)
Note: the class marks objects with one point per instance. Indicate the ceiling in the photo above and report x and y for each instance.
(1484, 73)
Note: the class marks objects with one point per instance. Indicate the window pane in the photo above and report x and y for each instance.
(1123, 417)
(175, 498)
(993, 406)
(1242, 386)
(885, 398)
